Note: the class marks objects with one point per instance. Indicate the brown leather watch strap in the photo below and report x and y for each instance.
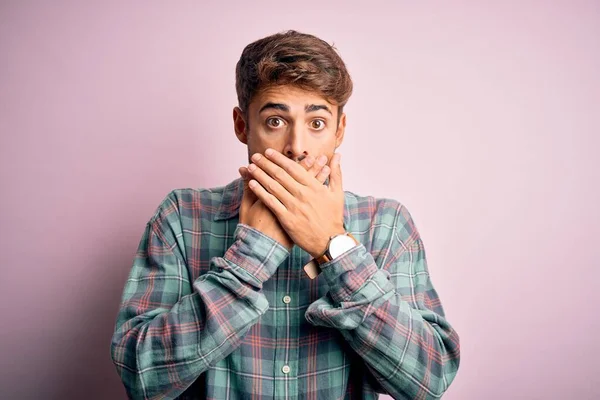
(323, 258)
(313, 267)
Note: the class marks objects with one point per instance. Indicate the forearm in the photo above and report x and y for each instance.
(170, 331)
(400, 333)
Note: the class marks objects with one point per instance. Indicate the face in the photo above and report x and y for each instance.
(293, 121)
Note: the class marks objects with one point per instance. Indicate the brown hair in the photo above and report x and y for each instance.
(292, 58)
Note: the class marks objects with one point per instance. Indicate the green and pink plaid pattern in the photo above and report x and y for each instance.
(214, 309)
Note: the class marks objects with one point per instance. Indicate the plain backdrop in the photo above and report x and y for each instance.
(482, 118)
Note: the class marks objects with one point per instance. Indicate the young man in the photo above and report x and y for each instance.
(282, 285)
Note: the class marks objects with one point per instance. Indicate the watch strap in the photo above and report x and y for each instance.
(313, 267)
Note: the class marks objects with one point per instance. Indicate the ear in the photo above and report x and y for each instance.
(239, 125)
(339, 135)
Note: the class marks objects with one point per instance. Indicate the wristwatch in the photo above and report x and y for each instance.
(337, 245)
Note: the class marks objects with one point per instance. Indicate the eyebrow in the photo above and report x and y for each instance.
(284, 107)
(316, 107)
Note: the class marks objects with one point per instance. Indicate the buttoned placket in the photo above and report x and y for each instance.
(287, 328)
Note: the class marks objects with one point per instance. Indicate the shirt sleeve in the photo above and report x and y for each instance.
(169, 329)
(391, 314)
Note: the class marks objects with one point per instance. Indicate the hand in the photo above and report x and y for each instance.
(254, 213)
(306, 209)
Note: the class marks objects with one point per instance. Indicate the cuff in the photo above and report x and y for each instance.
(254, 255)
(352, 271)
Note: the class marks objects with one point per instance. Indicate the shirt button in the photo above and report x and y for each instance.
(287, 299)
(285, 369)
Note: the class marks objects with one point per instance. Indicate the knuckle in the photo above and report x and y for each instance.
(279, 172)
(301, 194)
(270, 203)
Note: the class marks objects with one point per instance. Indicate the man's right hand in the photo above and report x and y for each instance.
(255, 213)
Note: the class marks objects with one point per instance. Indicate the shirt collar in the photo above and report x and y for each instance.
(232, 199)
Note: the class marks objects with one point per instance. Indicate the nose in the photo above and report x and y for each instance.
(295, 148)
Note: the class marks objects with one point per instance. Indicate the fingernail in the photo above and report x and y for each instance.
(256, 157)
(310, 160)
(269, 152)
(251, 167)
(322, 160)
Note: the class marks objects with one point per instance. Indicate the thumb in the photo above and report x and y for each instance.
(335, 178)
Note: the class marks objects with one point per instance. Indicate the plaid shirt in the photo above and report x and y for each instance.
(214, 309)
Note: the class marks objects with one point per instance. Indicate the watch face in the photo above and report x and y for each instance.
(340, 244)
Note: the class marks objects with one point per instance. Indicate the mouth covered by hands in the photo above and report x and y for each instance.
(308, 211)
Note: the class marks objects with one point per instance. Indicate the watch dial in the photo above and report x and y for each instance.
(340, 244)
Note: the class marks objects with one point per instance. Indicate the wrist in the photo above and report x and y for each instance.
(321, 249)
(323, 245)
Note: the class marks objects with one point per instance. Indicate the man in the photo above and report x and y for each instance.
(281, 284)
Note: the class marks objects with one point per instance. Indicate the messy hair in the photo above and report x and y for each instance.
(294, 58)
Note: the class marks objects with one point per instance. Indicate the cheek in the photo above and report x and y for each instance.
(260, 140)
(259, 143)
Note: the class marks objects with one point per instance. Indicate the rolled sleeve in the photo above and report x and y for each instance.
(254, 256)
(354, 274)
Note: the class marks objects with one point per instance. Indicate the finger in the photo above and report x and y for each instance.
(243, 173)
(268, 199)
(248, 196)
(317, 169)
(335, 180)
(307, 162)
(278, 173)
(271, 185)
(244, 203)
(292, 168)
(245, 176)
(310, 165)
(323, 174)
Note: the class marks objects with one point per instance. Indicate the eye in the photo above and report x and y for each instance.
(274, 122)
(317, 124)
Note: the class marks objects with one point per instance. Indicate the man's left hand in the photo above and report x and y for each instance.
(309, 211)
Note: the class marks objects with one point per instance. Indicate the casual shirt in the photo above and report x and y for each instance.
(215, 309)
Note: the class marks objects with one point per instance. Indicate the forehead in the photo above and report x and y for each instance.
(292, 96)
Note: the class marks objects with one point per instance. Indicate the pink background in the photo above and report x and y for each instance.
(482, 119)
